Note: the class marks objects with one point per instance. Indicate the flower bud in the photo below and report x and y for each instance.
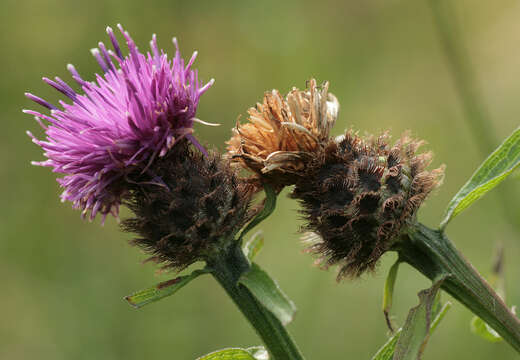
(283, 133)
(193, 206)
(360, 194)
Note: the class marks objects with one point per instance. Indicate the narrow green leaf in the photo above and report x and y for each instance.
(388, 293)
(416, 329)
(229, 354)
(269, 206)
(440, 315)
(161, 290)
(501, 163)
(254, 245)
(386, 352)
(268, 293)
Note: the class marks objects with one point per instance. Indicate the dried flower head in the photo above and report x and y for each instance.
(360, 194)
(283, 133)
(133, 113)
(191, 208)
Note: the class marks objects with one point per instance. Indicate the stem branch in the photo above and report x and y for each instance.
(227, 269)
(433, 254)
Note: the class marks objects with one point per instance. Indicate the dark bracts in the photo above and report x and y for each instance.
(359, 194)
(185, 206)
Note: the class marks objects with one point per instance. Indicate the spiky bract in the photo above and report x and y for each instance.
(191, 208)
(359, 194)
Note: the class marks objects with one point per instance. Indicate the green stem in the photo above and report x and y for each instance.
(433, 254)
(227, 269)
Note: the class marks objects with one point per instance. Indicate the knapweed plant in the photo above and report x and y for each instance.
(126, 138)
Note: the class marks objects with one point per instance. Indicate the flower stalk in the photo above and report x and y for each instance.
(433, 254)
(227, 268)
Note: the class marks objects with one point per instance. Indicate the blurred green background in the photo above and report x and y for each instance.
(63, 279)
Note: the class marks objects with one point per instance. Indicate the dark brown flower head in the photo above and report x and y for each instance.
(283, 133)
(192, 206)
(359, 195)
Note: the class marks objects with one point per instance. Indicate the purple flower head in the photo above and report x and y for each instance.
(136, 111)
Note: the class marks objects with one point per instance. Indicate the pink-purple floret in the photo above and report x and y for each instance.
(136, 111)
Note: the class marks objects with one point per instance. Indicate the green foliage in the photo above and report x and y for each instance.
(500, 164)
(35, 268)
(253, 353)
(389, 292)
(161, 290)
(386, 352)
(480, 328)
(268, 293)
(416, 330)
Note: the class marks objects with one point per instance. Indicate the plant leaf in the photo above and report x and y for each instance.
(228, 354)
(439, 316)
(501, 163)
(386, 352)
(161, 290)
(388, 293)
(268, 293)
(269, 206)
(416, 330)
(254, 245)
(480, 328)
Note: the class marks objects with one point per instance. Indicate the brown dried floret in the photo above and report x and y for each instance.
(283, 134)
(188, 208)
(359, 194)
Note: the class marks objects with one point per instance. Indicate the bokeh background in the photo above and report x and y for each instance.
(63, 279)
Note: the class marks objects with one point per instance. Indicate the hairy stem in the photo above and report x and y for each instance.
(227, 269)
(433, 254)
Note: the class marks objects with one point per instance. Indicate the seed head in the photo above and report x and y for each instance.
(193, 205)
(283, 133)
(359, 194)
